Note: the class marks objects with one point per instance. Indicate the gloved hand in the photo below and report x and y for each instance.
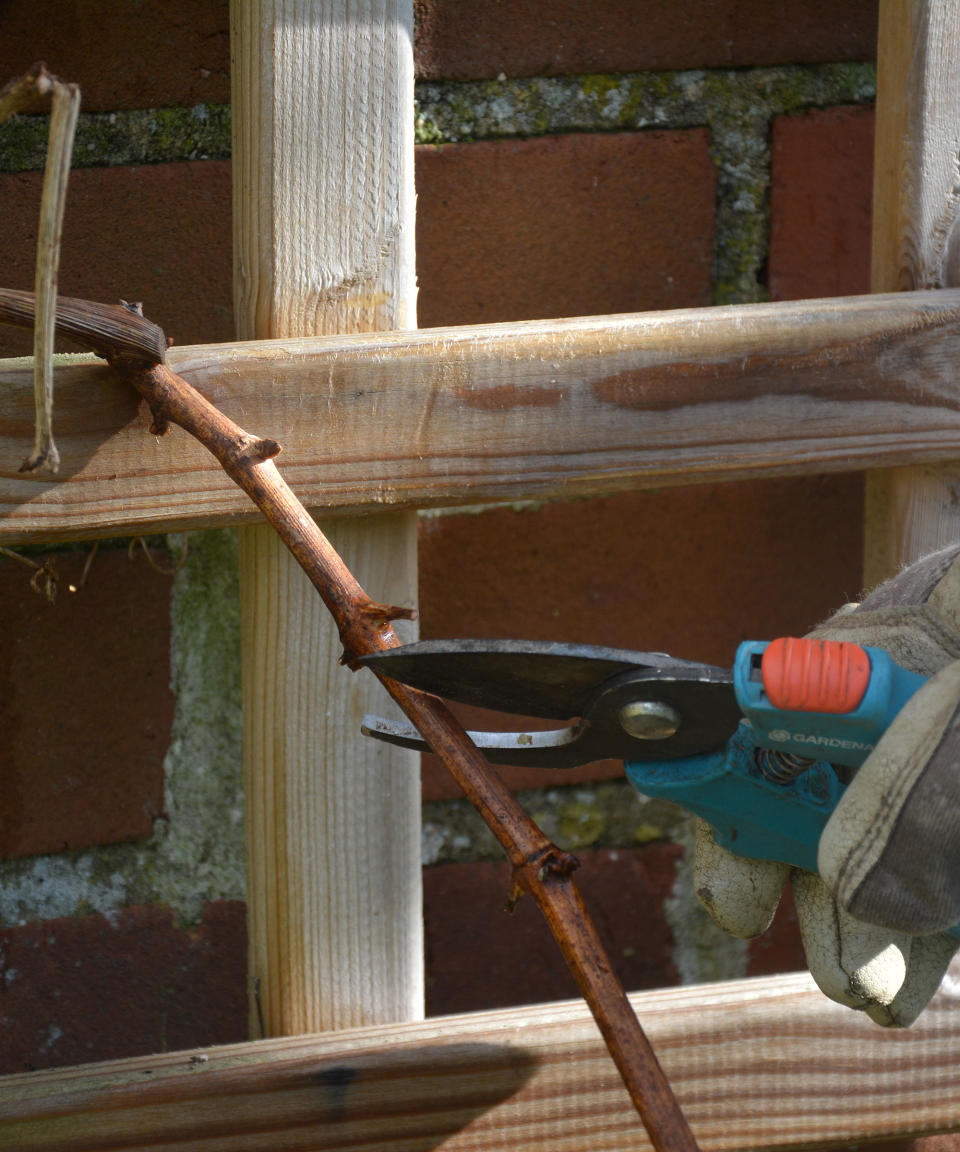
(873, 923)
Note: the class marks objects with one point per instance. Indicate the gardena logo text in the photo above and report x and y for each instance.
(780, 736)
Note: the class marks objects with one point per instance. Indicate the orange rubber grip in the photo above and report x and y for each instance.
(815, 675)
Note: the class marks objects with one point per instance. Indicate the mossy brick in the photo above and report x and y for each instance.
(820, 203)
(513, 959)
(127, 984)
(195, 854)
(563, 226)
(111, 139)
(482, 39)
(690, 571)
(727, 101)
(735, 105)
(608, 814)
(85, 703)
(144, 54)
(159, 234)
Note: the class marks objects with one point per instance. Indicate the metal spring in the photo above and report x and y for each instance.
(780, 767)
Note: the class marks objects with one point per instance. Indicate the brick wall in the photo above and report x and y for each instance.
(573, 159)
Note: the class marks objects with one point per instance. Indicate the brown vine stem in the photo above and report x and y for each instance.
(539, 867)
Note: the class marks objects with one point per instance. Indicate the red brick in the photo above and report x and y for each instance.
(514, 959)
(550, 37)
(159, 233)
(563, 226)
(779, 949)
(822, 178)
(128, 984)
(85, 704)
(691, 571)
(149, 54)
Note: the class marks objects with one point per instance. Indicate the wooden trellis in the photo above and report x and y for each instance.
(391, 422)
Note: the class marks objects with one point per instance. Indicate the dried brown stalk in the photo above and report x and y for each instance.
(44, 580)
(539, 867)
(17, 96)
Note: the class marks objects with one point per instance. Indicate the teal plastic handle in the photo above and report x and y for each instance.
(767, 819)
(749, 814)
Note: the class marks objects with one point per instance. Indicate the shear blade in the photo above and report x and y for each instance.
(616, 694)
(531, 749)
(525, 677)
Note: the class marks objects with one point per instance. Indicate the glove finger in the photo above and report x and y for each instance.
(934, 580)
(740, 894)
(915, 616)
(890, 852)
(929, 959)
(856, 964)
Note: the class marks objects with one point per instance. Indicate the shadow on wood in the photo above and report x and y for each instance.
(763, 1063)
(412, 1097)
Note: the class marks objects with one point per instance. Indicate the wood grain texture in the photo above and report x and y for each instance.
(338, 930)
(764, 1063)
(916, 238)
(916, 243)
(323, 242)
(502, 412)
(324, 200)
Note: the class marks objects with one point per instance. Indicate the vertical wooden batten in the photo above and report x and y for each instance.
(916, 244)
(323, 243)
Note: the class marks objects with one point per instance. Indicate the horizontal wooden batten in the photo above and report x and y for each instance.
(755, 1063)
(538, 409)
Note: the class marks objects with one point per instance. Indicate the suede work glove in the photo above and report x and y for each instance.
(873, 923)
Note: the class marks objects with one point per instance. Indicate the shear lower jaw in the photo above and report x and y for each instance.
(533, 749)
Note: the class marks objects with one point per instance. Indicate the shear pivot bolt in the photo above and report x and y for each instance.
(649, 719)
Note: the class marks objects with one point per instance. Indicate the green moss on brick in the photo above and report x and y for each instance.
(580, 823)
(107, 139)
(425, 130)
(598, 86)
(610, 814)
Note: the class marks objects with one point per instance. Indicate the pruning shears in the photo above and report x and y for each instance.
(762, 751)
